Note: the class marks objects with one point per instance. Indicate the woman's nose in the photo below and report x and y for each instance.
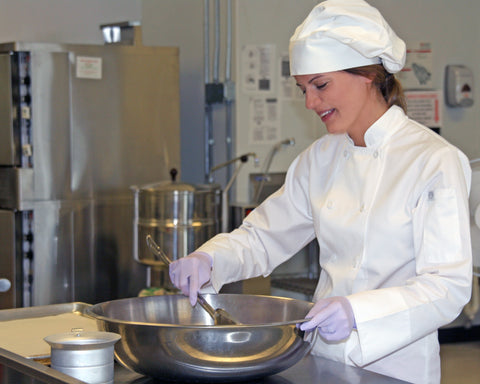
(310, 100)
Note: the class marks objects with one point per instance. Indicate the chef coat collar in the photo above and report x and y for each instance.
(383, 127)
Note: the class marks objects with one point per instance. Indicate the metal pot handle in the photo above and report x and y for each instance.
(157, 251)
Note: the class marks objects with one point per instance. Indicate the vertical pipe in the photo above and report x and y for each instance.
(216, 61)
(208, 110)
(229, 89)
(228, 62)
(229, 134)
(215, 79)
(206, 40)
(208, 143)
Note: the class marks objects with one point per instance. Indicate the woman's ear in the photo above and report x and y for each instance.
(369, 78)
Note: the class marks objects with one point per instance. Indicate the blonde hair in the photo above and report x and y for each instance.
(386, 83)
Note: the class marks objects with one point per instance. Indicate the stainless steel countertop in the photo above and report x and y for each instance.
(310, 369)
(19, 370)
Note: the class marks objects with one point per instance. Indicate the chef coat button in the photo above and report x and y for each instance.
(330, 204)
(375, 154)
(362, 207)
(345, 154)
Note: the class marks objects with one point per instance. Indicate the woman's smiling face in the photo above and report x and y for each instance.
(345, 102)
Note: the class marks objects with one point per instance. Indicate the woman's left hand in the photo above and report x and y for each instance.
(332, 316)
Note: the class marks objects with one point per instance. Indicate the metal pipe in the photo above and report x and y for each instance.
(226, 199)
(228, 56)
(216, 61)
(206, 41)
(208, 143)
(243, 158)
(229, 133)
(287, 142)
(228, 91)
(207, 124)
(225, 192)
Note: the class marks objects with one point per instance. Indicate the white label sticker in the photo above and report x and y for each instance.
(25, 112)
(89, 67)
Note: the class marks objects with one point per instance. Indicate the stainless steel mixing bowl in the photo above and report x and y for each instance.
(166, 338)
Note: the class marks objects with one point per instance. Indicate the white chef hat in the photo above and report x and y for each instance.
(341, 34)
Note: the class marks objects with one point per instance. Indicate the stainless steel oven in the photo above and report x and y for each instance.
(79, 125)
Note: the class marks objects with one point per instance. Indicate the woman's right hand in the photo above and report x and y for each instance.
(190, 273)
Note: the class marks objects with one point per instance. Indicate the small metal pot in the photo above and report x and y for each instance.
(87, 356)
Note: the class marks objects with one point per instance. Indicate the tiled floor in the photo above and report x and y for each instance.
(460, 363)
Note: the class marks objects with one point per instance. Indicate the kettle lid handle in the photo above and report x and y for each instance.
(173, 174)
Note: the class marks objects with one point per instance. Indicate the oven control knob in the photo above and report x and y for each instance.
(5, 285)
(27, 98)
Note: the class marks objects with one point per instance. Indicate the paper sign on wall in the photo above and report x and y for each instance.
(425, 107)
(89, 67)
(288, 88)
(417, 72)
(264, 123)
(257, 68)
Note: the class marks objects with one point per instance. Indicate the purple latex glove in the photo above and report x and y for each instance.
(332, 316)
(190, 273)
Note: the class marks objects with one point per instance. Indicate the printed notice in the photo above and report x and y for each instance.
(417, 72)
(257, 68)
(288, 89)
(425, 107)
(264, 121)
(89, 67)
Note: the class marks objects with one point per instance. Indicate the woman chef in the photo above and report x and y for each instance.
(385, 197)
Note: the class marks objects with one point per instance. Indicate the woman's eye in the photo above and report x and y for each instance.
(302, 90)
(321, 86)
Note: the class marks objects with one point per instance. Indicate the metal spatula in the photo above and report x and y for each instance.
(219, 315)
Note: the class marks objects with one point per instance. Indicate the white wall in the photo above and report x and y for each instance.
(295, 120)
(451, 27)
(62, 21)
(180, 23)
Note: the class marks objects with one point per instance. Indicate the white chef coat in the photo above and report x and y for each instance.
(392, 223)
